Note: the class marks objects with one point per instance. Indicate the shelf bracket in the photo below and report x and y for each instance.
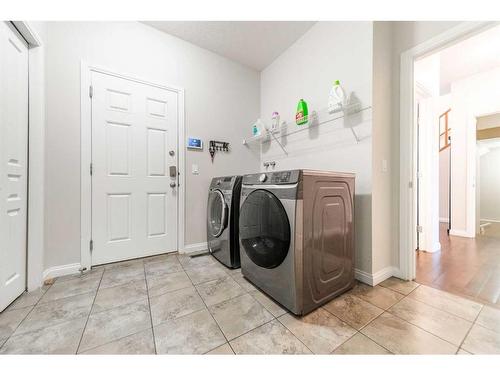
(278, 142)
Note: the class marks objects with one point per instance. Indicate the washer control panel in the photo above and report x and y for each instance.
(281, 177)
(272, 178)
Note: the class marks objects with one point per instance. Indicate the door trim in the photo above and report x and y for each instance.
(86, 157)
(407, 140)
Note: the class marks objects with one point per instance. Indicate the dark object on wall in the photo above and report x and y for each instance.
(217, 146)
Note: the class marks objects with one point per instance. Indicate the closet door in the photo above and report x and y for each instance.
(13, 163)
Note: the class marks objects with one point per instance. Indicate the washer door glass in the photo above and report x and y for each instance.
(217, 213)
(264, 229)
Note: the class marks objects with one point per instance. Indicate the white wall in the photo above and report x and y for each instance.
(444, 182)
(222, 99)
(328, 51)
(489, 196)
(472, 97)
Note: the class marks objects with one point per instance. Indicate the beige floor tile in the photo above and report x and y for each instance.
(2, 341)
(95, 272)
(56, 312)
(58, 339)
(110, 325)
(400, 286)
(239, 315)
(320, 331)
(271, 338)
(122, 275)
(353, 310)
(71, 288)
(401, 337)
(195, 333)
(360, 344)
(9, 320)
(219, 290)
(162, 267)
(168, 283)
(27, 299)
(175, 304)
(481, 340)
(451, 303)
(377, 295)
(110, 298)
(202, 274)
(463, 352)
(137, 343)
(268, 303)
(160, 258)
(440, 323)
(190, 262)
(244, 283)
(222, 350)
(489, 317)
(128, 265)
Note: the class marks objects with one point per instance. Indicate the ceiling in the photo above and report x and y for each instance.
(474, 55)
(255, 44)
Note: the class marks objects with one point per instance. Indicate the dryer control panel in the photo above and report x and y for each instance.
(272, 178)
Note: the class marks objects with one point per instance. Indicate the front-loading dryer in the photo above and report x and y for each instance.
(222, 220)
(297, 236)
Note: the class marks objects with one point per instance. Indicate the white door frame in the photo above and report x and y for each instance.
(36, 154)
(86, 157)
(408, 152)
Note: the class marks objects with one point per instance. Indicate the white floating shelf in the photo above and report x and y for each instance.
(316, 118)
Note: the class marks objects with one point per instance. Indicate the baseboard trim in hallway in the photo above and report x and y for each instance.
(194, 248)
(63, 270)
(373, 279)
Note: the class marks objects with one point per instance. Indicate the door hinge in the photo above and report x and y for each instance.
(91, 245)
(91, 91)
(91, 169)
(420, 229)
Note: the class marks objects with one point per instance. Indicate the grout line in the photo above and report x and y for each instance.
(468, 332)
(298, 338)
(149, 307)
(199, 295)
(29, 312)
(118, 339)
(90, 312)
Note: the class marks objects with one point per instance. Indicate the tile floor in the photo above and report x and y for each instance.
(177, 304)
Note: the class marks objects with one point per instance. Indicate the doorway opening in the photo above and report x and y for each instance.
(456, 94)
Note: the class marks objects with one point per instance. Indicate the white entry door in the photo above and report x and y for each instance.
(13, 163)
(134, 169)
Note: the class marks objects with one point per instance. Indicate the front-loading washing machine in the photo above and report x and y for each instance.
(297, 236)
(222, 220)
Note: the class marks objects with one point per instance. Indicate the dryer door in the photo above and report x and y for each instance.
(217, 213)
(264, 229)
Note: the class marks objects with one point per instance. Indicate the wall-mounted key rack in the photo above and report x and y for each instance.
(217, 146)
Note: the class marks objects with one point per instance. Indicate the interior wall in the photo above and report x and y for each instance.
(407, 34)
(489, 196)
(307, 69)
(444, 175)
(221, 101)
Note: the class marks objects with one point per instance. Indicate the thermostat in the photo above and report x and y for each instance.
(195, 143)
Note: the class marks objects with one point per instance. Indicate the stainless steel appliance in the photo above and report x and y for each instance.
(222, 220)
(297, 235)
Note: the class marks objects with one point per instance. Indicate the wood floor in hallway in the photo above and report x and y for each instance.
(466, 266)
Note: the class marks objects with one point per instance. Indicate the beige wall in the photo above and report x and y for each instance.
(221, 101)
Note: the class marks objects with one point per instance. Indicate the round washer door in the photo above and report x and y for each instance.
(217, 213)
(264, 229)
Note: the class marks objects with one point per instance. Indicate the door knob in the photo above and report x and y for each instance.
(173, 184)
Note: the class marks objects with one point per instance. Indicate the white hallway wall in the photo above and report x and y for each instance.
(307, 69)
(489, 195)
(221, 100)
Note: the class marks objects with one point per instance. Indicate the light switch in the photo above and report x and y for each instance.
(194, 169)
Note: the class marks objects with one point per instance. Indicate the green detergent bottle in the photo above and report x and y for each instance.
(301, 117)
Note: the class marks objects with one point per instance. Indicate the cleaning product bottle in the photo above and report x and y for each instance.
(257, 128)
(301, 117)
(275, 121)
(337, 98)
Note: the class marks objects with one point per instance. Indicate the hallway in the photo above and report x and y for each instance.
(466, 266)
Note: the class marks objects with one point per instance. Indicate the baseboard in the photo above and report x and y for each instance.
(460, 233)
(194, 248)
(374, 278)
(444, 220)
(491, 220)
(57, 271)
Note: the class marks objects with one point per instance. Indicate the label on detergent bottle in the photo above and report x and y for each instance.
(301, 117)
